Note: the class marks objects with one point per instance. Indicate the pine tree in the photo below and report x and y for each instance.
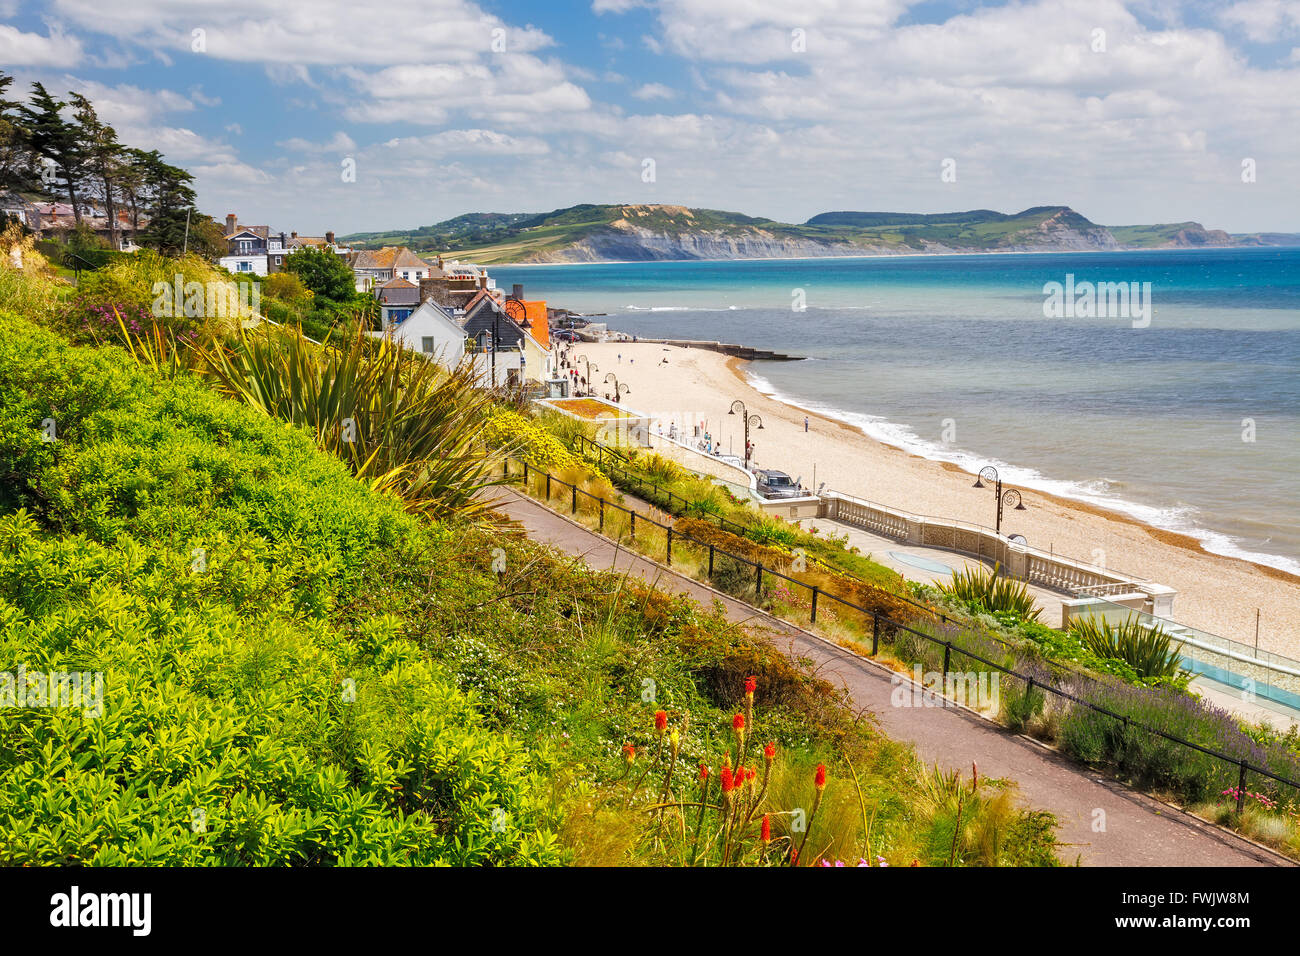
(103, 154)
(55, 140)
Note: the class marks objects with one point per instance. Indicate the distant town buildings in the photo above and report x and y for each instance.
(444, 309)
(258, 250)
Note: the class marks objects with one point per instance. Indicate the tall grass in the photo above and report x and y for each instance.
(404, 424)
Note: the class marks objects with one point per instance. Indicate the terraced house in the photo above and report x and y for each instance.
(374, 267)
(259, 250)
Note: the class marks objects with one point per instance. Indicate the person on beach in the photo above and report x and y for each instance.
(620, 357)
(805, 423)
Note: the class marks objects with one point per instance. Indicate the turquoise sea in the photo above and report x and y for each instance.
(1188, 419)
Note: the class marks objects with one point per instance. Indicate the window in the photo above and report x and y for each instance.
(245, 267)
(245, 246)
(426, 344)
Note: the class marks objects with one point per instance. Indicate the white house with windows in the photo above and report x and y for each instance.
(430, 329)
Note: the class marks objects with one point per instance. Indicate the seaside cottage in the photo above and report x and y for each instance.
(432, 331)
(528, 340)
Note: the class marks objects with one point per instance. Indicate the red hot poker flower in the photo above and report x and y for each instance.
(738, 722)
(751, 685)
(704, 772)
(727, 783)
(766, 834)
(820, 779)
(661, 721)
(769, 752)
(629, 752)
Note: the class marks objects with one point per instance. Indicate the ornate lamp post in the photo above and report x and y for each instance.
(1010, 496)
(748, 420)
(590, 368)
(618, 389)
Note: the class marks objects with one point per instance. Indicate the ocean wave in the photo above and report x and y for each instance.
(1100, 493)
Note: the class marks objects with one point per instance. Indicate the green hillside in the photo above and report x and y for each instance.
(494, 238)
(657, 231)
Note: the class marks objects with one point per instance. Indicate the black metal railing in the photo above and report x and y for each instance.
(817, 594)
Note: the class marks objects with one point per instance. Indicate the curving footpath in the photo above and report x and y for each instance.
(1139, 831)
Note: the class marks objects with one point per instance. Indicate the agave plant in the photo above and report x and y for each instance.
(986, 589)
(404, 424)
(1148, 650)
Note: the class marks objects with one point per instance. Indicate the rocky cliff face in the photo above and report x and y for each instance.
(630, 243)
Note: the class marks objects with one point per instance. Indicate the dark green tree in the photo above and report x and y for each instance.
(166, 197)
(102, 155)
(324, 273)
(55, 140)
(18, 165)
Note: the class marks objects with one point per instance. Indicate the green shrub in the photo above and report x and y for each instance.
(985, 589)
(201, 557)
(1148, 650)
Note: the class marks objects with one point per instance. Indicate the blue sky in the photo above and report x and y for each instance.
(1139, 111)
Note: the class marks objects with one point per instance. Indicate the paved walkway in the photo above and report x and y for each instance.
(1138, 831)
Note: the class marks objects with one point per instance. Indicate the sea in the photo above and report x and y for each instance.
(1181, 410)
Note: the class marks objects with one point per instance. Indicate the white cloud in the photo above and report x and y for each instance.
(1263, 21)
(654, 91)
(31, 49)
(321, 32)
(341, 142)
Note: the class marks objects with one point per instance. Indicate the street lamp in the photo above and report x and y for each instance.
(748, 420)
(590, 369)
(989, 473)
(618, 389)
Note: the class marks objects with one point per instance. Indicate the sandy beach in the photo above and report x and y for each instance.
(1215, 593)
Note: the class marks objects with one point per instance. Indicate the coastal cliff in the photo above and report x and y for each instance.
(636, 232)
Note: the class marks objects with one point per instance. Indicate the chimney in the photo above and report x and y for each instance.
(293, 235)
(329, 237)
(482, 278)
(517, 291)
(283, 241)
(232, 222)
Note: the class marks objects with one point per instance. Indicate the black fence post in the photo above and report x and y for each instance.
(670, 546)
(601, 526)
(947, 656)
(710, 561)
(574, 503)
(812, 617)
(632, 514)
(758, 581)
(875, 632)
(1241, 787)
(548, 487)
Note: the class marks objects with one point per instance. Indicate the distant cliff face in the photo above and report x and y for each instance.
(655, 231)
(626, 242)
(637, 244)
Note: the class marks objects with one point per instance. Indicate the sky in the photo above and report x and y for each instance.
(310, 115)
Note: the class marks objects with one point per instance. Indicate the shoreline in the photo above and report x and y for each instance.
(1178, 539)
(1217, 593)
(1169, 536)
